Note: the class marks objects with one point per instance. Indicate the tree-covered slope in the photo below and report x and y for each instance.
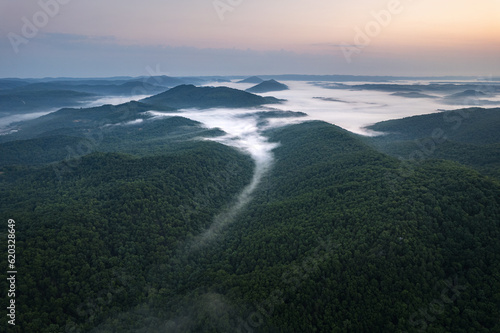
(190, 96)
(38, 151)
(468, 136)
(139, 138)
(472, 125)
(268, 86)
(252, 79)
(331, 244)
(86, 242)
(12, 102)
(336, 238)
(77, 121)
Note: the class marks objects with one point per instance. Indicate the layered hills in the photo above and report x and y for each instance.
(339, 235)
(252, 79)
(333, 232)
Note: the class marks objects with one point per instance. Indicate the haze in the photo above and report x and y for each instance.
(93, 38)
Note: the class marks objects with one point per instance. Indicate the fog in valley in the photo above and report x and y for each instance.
(243, 131)
(348, 108)
(6, 121)
(354, 109)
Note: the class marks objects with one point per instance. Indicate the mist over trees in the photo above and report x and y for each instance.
(310, 227)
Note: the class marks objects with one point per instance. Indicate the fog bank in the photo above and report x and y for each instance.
(352, 110)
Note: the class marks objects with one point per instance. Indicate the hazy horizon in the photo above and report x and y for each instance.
(267, 76)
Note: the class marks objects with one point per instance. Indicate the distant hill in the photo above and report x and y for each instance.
(190, 96)
(365, 78)
(460, 89)
(468, 93)
(330, 99)
(468, 97)
(412, 94)
(268, 86)
(386, 87)
(471, 125)
(11, 83)
(104, 88)
(163, 80)
(30, 101)
(252, 79)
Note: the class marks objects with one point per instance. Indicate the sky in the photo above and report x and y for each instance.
(96, 38)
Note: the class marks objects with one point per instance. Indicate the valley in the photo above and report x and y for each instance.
(339, 204)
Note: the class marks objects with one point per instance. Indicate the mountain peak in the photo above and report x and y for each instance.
(252, 79)
(190, 96)
(268, 86)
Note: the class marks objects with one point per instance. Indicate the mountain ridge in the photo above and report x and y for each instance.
(190, 96)
(268, 86)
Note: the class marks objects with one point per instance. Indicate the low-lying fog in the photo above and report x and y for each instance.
(350, 109)
(11, 119)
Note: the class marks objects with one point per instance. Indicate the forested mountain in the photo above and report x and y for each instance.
(190, 96)
(12, 83)
(338, 237)
(252, 79)
(470, 136)
(30, 101)
(74, 121)
(268, 86)
(330, 243)
(460, 89)
(29, 95)
(106, 206)
(103, 88)
(412, 94)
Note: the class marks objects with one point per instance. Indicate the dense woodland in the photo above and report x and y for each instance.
(190, 96)
(339, 237)
(468, 136)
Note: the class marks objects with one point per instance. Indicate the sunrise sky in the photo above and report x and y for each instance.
(87, 38)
